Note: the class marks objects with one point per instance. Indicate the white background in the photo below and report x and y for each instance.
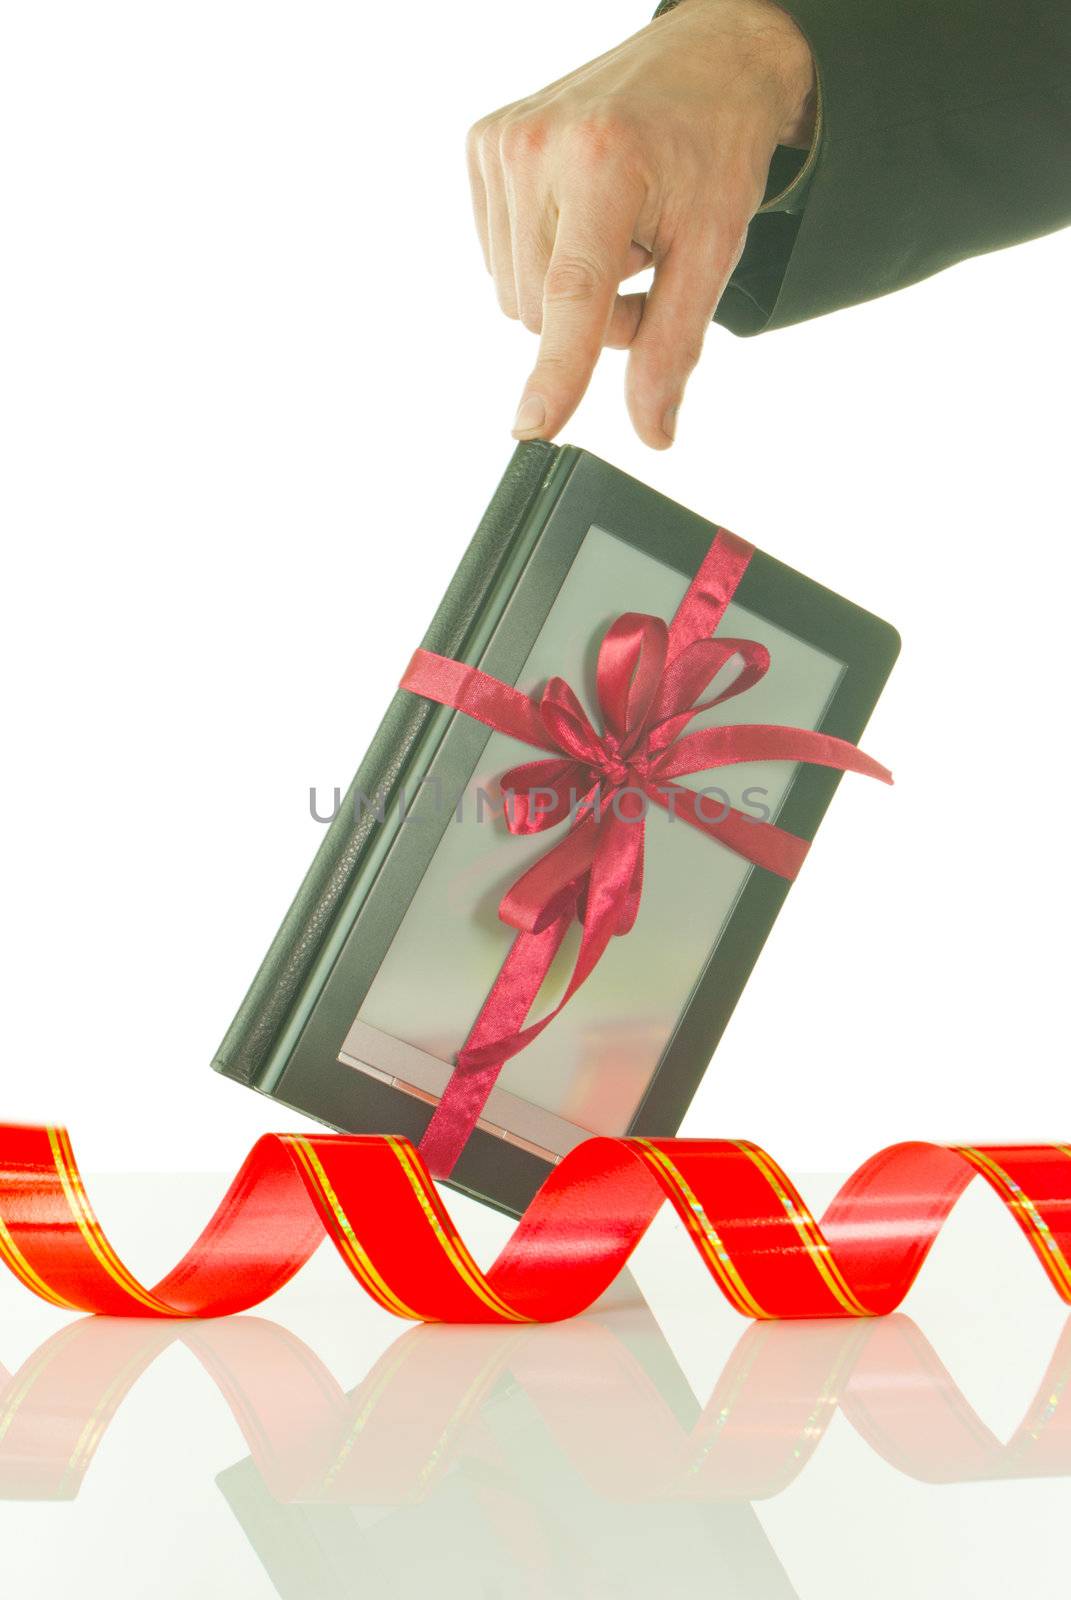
(254, 394)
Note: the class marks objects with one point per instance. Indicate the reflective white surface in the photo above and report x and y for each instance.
(659, 1445)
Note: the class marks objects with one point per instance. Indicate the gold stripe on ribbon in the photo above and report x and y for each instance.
(700, 1225)
(806, 1227)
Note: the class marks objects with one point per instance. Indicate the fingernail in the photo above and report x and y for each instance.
(531, 415)
(669, 422)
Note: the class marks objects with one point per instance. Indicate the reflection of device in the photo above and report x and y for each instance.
(394, 942)
(501, 1504)
(494, 1530)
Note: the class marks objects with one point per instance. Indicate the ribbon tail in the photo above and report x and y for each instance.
(512, 997)
(538, 795)
(735, 743)
(764, 844)
(551, 887)
(611, 896)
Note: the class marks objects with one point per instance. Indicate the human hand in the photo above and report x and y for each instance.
(656, 152)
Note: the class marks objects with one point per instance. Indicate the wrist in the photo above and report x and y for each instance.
(779, 55)
(799, 81)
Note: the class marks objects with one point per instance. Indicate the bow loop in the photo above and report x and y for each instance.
(568, 724)
(632, 660)
(692, 670)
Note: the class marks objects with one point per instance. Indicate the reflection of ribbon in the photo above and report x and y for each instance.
(648, 682)
(606, 1390)
(374, 1198)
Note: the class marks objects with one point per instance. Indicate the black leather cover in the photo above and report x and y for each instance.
(267, 1006)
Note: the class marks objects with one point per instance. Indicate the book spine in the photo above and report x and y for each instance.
(278, 984)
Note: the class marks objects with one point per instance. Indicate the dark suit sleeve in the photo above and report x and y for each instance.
(945, 131)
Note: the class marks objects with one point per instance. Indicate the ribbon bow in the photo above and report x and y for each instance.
(649, 681)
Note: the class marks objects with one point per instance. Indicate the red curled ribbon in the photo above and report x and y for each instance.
(648, 681)
(375, 1199)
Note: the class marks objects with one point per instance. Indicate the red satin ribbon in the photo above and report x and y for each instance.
(376, 1201)
(649, 680)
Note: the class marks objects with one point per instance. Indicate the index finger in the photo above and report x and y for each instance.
(589, 259)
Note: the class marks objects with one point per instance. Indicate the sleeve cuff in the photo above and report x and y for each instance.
(944, 132)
